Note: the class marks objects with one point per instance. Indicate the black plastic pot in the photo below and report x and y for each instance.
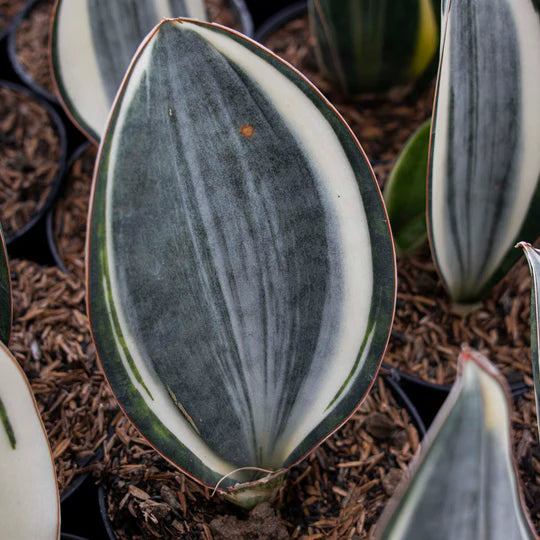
(59, 127)
(5, 32)
(404, 400)
(25, 77)
(428, 397)
(243, 15)
(81, 513)
(102, 503)
(49, 220)
(263, 11)
(280, 18)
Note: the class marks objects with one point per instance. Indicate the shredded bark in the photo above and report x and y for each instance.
(427, 335)
(8, 11)
(71, 212)
(337, 492)
(51, 341)
(32, 44)
(219, 11)
(29, 158)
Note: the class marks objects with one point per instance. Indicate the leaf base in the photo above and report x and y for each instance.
(250, 494)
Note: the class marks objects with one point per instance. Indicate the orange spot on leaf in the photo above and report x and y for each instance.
(247, 130)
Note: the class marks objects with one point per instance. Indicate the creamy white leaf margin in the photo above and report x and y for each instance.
(78, 64)
(326, 154)
(29, 503)
(526, 20)
(403, 517)
(533, 258)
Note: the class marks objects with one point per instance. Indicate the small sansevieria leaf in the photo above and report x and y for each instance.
(6, 310)
(484, 190)
(29, 501)
(374, 45)
(533, 258)
(405, 193)
(93, 42)
(241, 267)
(464, 481)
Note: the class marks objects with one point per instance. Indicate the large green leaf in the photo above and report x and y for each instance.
(405, 193)
(93, 42)
(533, 258)
(29, 502)
(483, 192)
(373, 45)
(6, 310)
(464, 483)
(241, 269)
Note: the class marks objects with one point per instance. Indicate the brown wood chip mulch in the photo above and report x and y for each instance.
(51, 340)
(219, 11)
(71, 212)
(337, 492)
(29, 158)
(8, 11)
(32, 44)
(427, 334)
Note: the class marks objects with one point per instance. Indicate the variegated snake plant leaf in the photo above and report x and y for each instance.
(464, 482)
(533, 258)
(29, 501)
(374, 45)
(240, 263)
(484, 189)
(93, 42)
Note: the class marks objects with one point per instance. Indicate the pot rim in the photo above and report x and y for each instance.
(59, 127)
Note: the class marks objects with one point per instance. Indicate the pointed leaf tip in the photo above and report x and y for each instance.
(533, 258)
(484, 187)
(463, 482)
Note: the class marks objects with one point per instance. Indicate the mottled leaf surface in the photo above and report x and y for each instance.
(483, 190)
(464, 484)
(241, 279)
(29, 503)
(405, 193)
(93, 43)
(533, 258)
(374, 45)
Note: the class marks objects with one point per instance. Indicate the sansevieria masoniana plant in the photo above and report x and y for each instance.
(483, 192)
(464, 483)
(374, 45)
(93, 42)
(240, 264)
(29, 500)
(533, 258)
